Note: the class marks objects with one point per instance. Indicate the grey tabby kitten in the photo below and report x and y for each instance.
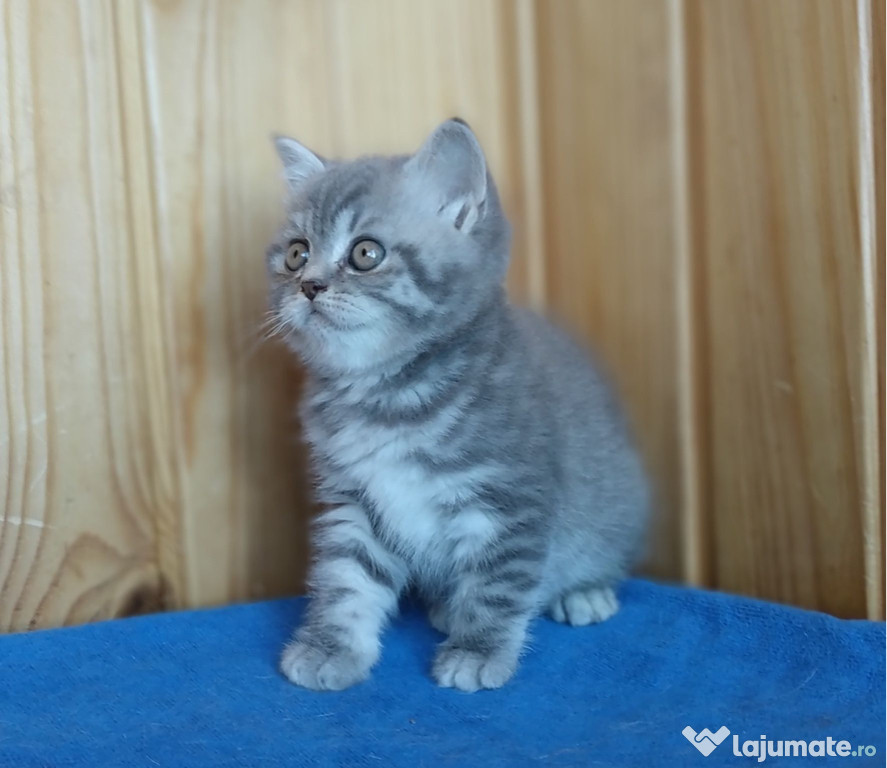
(462, 447)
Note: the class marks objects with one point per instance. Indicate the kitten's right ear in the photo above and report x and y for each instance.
(453, 171)
(299, 162)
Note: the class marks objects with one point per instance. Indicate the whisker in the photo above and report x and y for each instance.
(269, 328)
(352, 307)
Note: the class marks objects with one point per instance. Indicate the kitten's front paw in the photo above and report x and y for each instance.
(322, 670)
(469, 671)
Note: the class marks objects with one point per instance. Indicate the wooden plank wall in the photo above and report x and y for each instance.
(609, 209)
(696, 188)
(790, 430)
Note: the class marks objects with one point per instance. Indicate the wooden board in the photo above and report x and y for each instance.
(789, 429)
(878, 82)
(84, 442)
(610, 243)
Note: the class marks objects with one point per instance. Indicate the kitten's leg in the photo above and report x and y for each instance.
(354, 586)
(487, 616)
(585, 605)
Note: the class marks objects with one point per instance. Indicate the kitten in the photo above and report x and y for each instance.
(462, 447)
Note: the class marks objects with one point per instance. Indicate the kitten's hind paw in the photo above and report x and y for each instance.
(469, 671)
(589, 605)
(322, 670)
(438, 618)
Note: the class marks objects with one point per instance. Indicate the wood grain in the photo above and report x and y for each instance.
(878, 85)
(775, 211)
(696, 188)
(80, 450)
(610, 219)
(138, 404)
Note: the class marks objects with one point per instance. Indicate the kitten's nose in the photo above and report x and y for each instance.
(312, 287)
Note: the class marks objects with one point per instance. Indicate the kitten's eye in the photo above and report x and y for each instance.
(366, 255)
(296, 255)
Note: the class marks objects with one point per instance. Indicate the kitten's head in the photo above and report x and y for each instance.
(380, 255)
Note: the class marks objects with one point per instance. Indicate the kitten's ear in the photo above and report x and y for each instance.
(451, 167)
(299, 162)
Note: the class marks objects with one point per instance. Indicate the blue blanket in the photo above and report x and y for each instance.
(674, 672)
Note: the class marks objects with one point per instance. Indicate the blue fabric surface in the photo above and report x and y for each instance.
(202, 688)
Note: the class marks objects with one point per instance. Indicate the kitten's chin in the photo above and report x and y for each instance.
(327, 344)
(333, 351)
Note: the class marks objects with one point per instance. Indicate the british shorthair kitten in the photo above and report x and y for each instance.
(462, 447)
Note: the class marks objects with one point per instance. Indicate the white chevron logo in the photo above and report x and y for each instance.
(706, 741)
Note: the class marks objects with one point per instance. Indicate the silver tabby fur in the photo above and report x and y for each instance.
(462, 447)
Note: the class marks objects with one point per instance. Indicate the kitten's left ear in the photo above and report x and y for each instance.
(299, 162)
(451, 167)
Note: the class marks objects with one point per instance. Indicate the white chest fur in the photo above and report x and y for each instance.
(430, 515)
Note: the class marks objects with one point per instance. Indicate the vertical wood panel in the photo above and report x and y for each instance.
(345, 78)
(686, 182)
(776, 215)
(877, 85)
(213, 92)
(692, 521)
(77, 538)
(153, 456)
(609, 213)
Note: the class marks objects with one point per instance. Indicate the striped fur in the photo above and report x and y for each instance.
(462, 447)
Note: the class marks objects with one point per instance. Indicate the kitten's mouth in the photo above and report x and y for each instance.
(332, 315)
(325, 317)
(314, 309)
